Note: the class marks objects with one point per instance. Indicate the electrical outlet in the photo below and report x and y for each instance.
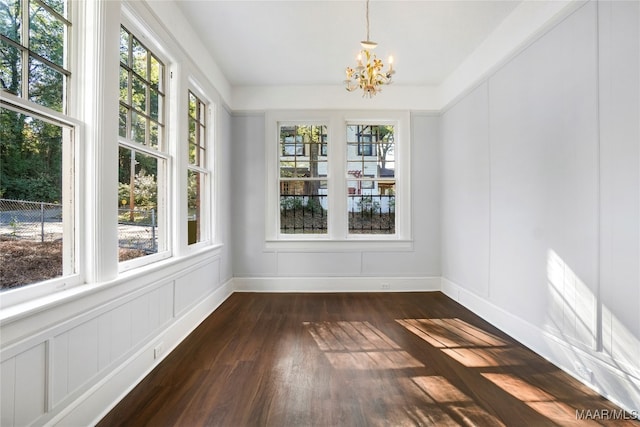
(157, 350)
(385, 285)
(584, 372)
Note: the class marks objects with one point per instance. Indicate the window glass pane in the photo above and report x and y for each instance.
(318, 168)
(193, 152)
(124, 46)
(193, 106)
(11, 19)
(124, 86)
(11, 69)
(371, 207)
(157, 76)
(155, 107)
(46, 85)
(355, 169)
(122, 128)
(303, 207)
(139, 95)
(202, 114)
(138, 216)
(46, 34)
(193, 147)
(33, 241)
(139, 58)
(138, 127)
(195, 182)
(387, 169)
(154, 134)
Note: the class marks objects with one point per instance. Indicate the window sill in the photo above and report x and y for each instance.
(14, 312)
(347, 245)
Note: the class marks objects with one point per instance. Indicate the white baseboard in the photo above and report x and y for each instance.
(612, 382)
(591, 368)
(96, 402)
(336, 284)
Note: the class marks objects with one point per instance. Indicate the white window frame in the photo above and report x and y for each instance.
(208, 194)
(73, 202)
(143, 34)
(338, 237)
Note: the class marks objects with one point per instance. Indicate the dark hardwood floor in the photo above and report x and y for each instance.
(370, 359)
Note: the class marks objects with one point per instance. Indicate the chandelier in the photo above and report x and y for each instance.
(368, 75)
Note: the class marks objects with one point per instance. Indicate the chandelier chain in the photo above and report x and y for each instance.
(368, 21)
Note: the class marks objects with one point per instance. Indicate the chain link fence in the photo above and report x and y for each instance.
(138, 229)
(42, 222)
(36, 221)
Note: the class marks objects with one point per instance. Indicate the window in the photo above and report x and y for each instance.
(37, 146)
(303, 171)
(143, 154)
(197, 172)
(371, 178)
(338, 178)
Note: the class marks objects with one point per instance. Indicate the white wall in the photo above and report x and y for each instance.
(541, 197)
(253, 261)
(525, 198)
(68, 358)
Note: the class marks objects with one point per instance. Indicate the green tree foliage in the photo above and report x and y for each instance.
(31, 149)
(30, 158)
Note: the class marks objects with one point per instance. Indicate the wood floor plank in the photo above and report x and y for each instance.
(352, 359)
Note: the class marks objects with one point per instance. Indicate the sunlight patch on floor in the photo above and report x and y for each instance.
(359, 345)
(537, 399)
(451, 333)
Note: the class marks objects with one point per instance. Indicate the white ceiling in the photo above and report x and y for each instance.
(310, 42)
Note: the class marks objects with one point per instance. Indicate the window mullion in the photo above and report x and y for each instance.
(337, 183)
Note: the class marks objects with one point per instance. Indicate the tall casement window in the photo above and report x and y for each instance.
(303, 179)
(143, 153)
(38, 146)
(197, 170)
(371, 181)
(336, 178)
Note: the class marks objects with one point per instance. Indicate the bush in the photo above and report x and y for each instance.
(291, 202)
(366, 204)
